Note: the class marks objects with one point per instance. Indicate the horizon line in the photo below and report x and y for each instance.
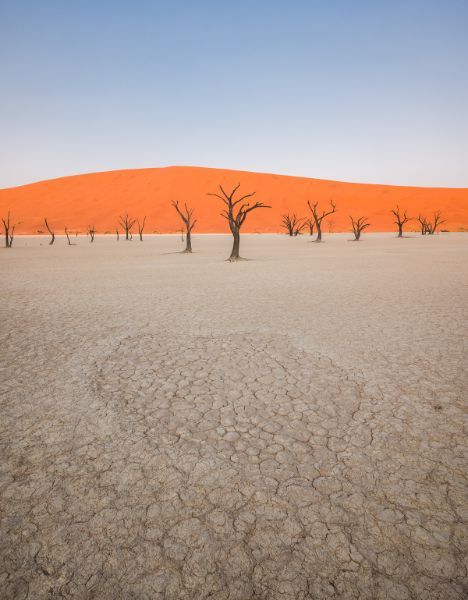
(107, 171)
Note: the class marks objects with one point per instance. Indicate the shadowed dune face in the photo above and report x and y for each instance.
(98, 198)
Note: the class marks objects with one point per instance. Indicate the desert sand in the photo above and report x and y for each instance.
(98, 199)
(291, 427)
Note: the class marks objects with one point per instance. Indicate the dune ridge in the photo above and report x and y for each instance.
(97, 199)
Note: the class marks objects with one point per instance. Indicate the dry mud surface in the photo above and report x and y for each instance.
(180, 427)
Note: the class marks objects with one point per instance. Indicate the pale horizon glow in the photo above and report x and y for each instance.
(350, 91)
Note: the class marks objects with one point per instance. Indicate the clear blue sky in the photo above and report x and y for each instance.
(372, 91)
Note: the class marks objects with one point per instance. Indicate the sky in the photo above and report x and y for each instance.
(368, 90)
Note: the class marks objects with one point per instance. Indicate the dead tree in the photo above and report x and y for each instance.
(358, 226)
(292, 223)
(189, 222)
(68, 238)
(400, 220)
(310, 224)
(141, 227)
(422, 224)
(8, 230)
(91, 232)
(318, 218)
(127, 223)
(235, 213)
(52, 233)
(117, 234)
(435, 223)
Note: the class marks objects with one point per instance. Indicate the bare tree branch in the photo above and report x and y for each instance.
(52, 233)
(68, 238)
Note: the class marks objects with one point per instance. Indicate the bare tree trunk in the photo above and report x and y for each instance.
(6, 230)
(400, 230)
(311, 225)
(117, 233)
(68, 237)
(235, 246)
(319, 231)
(52, 233)
(188, 242)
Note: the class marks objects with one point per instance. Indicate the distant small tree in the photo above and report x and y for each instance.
(141, 227)
(292, 223)
(51, 232)
(310, 224)
(68, 238)
(422, 224)
(91, 233)
(8, 230)
(358, 226)
(432, 225)
(127, 223)
(318, 218)
(117, 234)
(235, 213)
(400, 220)
(187, 217)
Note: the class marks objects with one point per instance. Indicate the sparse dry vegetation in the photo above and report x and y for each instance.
(293, 224)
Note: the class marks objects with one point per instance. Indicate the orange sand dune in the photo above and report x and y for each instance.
(98, 199)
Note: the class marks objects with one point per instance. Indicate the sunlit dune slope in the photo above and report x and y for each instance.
(98, 198)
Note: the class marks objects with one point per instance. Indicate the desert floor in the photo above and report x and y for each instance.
(180, 427)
